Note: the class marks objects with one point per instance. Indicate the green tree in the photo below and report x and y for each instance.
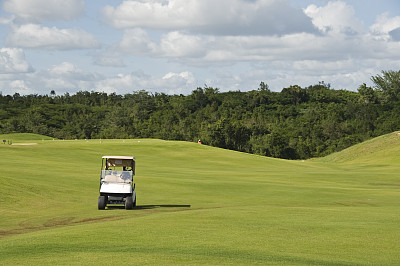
(388, 84)
(367, 94)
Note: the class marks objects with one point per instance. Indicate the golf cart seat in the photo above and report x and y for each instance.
(115, 179)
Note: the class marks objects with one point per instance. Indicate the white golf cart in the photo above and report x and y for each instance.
(116, 182)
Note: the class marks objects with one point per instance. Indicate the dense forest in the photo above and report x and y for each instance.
(296, 123)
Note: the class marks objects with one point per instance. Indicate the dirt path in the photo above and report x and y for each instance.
(23, 144)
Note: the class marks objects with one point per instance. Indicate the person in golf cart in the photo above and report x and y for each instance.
(116, 182)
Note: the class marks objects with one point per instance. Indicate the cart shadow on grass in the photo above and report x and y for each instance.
(150, 207)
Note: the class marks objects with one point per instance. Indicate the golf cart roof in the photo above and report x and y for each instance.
(119, 157)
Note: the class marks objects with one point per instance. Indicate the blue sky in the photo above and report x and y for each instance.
(175, 46)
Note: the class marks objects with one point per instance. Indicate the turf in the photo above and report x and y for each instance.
(200, 205)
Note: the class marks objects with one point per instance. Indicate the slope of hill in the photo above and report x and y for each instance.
(381, 150)
(22, 137)
(196, 205)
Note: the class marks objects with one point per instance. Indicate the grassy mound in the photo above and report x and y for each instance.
(23, 137)
(381, 150)
(196, 205)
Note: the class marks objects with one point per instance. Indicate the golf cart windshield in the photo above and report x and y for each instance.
(113, 176)
(118, 163)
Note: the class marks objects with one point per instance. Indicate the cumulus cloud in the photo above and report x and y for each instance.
(62, 77)
(384, 27)
(16, 85)
(36, 36)
(179, 78)
(223, 17)
(176, 44)
(171, 83)
(65, 76)
(40, 10)
(69, 70)
(172, 44)
(137, 41)
(335, 16)
(12, 60)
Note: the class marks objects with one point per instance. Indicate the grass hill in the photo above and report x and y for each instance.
(381, 150)
(200, 205)
(21, 137)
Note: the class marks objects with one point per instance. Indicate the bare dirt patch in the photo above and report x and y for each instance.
(23, 144)
(68, 221)
(52, 223)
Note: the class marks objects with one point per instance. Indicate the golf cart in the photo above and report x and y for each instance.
(116, 182)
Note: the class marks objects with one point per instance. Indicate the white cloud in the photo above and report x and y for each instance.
(67, 76)
(179, 78)
(36, 36)
(223, 17)
(18, 86)
(137, 41)
(67, 69)
(310, 67)
(383, 26)
(171, 83)
(63, 77)
(176, 44)
(110, 56)
(40, 10)
(335, 16)
(12, 60)
(119, 83)
(171, 45)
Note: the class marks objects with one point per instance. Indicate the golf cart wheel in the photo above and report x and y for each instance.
(129, 203)
(134, 203)
(102, 203)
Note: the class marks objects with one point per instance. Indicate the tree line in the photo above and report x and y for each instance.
(296, 123)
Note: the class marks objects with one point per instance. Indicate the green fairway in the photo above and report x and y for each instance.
(199, 205)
